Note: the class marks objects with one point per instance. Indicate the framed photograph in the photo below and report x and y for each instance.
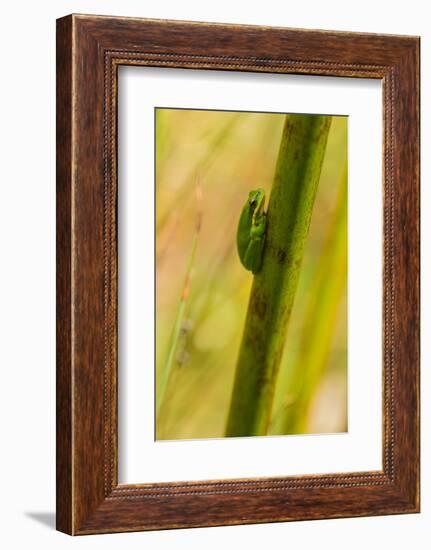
(237, 274)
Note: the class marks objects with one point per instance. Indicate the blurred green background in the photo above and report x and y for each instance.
(224, 155)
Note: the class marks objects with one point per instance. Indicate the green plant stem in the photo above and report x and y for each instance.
(164, 379)
(321, 320)
(297, 174)
(179, 320)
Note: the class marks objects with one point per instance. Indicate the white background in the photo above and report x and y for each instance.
(141, 458)
(27, 244)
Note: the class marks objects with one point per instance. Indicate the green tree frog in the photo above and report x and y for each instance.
(250, 235)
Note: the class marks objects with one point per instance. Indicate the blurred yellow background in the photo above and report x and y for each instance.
(231, 153)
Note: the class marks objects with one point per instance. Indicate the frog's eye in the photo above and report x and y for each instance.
(254, 199)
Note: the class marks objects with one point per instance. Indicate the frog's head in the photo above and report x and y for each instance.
(256, 198)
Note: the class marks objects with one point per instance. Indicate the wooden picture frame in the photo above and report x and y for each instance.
(89, 51)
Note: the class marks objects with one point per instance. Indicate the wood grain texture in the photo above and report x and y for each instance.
(90, 49)
(64, 497)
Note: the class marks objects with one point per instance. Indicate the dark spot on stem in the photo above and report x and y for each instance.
(280, 255)
(259, 305)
